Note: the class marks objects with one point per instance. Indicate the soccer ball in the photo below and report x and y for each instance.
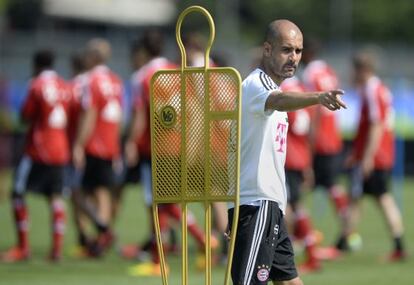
(354, 241)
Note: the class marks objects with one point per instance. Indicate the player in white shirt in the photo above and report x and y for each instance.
(263, 250)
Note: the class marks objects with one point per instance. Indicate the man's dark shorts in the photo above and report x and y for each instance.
(263, 250)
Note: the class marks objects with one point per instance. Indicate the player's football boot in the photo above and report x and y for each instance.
(78, 251)
(130, 251)
(397, 256)
(201, 258)
(318, 236)
(15, 254)
(352, 242)
(103, 243)
(327, 253)
(310, 266)
(54, 257)
(146, 269)
(106, 240)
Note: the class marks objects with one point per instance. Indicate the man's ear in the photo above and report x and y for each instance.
(267, 49)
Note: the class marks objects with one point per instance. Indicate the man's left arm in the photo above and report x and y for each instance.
(373, 140)
(86, 125)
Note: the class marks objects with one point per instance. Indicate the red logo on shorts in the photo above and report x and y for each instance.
(263, 273)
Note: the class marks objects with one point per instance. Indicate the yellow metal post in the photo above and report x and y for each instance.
(195, 140)
(159, 245)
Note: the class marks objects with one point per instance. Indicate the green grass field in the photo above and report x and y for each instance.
(358, 268)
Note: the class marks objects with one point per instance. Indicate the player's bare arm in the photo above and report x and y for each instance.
(86, 125)
(374, 139)
(290, 101)
(136, 130)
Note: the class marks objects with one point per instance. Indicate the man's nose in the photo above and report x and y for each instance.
(294, 56)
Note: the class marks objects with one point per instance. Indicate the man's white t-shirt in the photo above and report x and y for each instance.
(263, 144)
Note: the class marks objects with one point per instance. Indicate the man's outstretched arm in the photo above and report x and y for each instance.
(290, 101)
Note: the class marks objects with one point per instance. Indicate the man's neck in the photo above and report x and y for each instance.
(269, 72)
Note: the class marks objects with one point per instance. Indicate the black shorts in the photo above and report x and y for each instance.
(98, 173)
(132, 174)
(294, 181)
(263, 250)
(38, 177)
(72, 177)
(326, 169)
(376, 184)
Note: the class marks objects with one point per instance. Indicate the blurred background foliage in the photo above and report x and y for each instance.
(343, 26)
(356, 20)
(331, 20)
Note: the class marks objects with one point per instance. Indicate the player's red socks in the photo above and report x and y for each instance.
(154, 253)
(195, 231)
(303, 226)
(340, 199)
(22, 223)
(303, 231)
(58, 228)
(175, 212)
(163, 218)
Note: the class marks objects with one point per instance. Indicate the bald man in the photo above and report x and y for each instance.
(263, 250)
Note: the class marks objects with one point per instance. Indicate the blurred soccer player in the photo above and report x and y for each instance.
(46, 152)
(78, 85)
(130, 173)
(325, 137)
(195, 46)
(97, 145)
(138, 146)
(83, 210)
(372, 157)
(298, 172)
(133, 164)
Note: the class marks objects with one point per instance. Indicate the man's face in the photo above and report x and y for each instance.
(284, 54)
(90, 60)
(139, 58)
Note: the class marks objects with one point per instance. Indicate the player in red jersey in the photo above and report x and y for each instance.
(372, 157)
(138, 146)
(45, 154)
(325, 137)
(83, 209)
(78, 85)
(146, 52)
(97, 146)
(133, 169)
(195, 45)
(298, 173)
